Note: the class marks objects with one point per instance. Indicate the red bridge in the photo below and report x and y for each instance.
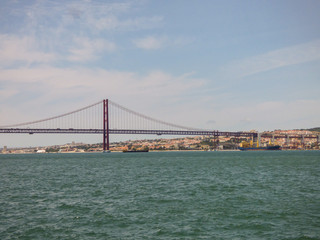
(107, 117)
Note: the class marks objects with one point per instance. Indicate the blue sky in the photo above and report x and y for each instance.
(225, 65)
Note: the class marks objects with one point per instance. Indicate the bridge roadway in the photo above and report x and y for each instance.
(125, 131)
(148, 132)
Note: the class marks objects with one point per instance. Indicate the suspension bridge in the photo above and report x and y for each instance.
(107, 117)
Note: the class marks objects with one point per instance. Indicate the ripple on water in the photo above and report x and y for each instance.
(217, 195)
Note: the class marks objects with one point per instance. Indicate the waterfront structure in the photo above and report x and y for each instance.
(107, 117)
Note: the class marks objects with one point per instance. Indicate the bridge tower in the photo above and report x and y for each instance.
(106, 144)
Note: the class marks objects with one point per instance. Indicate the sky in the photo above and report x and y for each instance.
(223, 65)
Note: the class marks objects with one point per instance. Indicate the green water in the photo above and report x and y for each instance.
(184, 195)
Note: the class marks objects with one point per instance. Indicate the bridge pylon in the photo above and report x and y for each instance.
(106, 143)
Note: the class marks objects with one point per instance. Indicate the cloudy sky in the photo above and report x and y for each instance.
(226, 65)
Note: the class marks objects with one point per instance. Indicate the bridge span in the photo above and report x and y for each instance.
(107, 117)
(127, 131)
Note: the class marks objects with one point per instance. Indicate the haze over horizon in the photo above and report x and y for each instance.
(222, 65)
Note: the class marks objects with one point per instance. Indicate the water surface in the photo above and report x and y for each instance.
(165, 195)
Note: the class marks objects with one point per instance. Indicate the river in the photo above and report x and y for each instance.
(161, 195)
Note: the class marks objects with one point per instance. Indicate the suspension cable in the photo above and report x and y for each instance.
(51, 118)
(149, 118)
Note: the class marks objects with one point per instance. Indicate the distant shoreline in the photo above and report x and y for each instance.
(157, 151)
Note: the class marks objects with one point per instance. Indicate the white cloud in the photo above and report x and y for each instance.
(87, 49)
(25, 50)
(16, 48)
(114, 23)
(150, 42)
(269, 115)
(7, 93)
(157, 42)
(43, 39)
(158, 83)
(59, 83)
(275, 59)
(104, 17)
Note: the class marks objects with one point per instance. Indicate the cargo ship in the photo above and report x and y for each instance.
(256, 146)
(134, 151)
(277, 147)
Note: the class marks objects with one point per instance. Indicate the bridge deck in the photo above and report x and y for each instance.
(145, 132)
(125, 131)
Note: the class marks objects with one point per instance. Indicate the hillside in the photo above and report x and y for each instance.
(316, 129)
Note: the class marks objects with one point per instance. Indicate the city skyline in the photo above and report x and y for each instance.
(224, 65)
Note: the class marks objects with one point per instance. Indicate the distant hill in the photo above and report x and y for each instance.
(316, 129)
